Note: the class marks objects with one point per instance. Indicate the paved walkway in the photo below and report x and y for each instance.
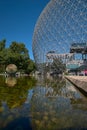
(79, 81)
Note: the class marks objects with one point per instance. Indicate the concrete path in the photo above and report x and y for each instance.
(79, 81)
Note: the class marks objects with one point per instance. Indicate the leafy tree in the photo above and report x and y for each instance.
(2, 55)
(19, 48)
(2, 44)
(58, 66)
(16, 54)
(31, 66)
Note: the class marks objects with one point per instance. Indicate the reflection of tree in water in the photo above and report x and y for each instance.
(79, 103)
(58, 86)
(44, 109)
(54, 87)
(51, 106)
(15, 96)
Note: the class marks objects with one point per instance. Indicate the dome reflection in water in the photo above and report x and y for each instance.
(51, 104)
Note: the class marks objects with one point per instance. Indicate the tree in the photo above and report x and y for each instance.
(2, 44)
(58, 66)
(2, 55)
(19, 48)
(16, 54)
(19, 55)
(31, 67)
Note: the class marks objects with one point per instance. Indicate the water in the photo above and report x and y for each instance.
(42, 104)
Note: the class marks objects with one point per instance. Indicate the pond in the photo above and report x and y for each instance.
(27, 103)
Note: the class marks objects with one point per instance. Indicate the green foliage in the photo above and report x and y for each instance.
(18, 48)
(58, 65)
(15, 95)
(2, 44)
(31, 66)
(16, 54)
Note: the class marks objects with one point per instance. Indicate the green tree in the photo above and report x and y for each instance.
(19, 48)
(31, 66)
(58, 66)
(2, 55)
(2, 44)
(16, 54)
(19, 55)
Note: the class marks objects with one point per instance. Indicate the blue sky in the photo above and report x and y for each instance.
(18, 19)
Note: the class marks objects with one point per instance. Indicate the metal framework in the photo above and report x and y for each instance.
(60, 56)
(78, 48)
(60, 24)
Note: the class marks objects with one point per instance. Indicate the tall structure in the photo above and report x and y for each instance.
(60, 24)
(80, 48)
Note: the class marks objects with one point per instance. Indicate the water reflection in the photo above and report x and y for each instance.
(14, 102)
(14, 97)
(11, 81)
(53, 107)
(22, 123)
(48, 104)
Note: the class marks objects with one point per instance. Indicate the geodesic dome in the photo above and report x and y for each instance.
(60, 24)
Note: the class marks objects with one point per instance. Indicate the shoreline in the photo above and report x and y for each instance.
(80, 82)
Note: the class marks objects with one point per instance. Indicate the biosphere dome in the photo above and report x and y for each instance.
(60, 24)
